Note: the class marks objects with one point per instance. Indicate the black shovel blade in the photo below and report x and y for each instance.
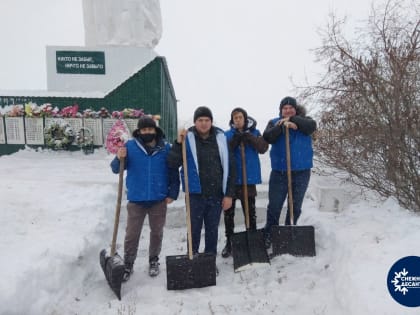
(294, 240)
(248, 250)
(185, 273)
(113, 268)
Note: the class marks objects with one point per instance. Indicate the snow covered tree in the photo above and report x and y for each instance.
(369, 124)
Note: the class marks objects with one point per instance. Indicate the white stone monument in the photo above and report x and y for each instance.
(122, 22)
(120, 36)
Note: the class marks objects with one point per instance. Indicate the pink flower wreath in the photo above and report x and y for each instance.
(117, 137)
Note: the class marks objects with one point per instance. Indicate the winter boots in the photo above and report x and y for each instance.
(227, 250)
(128, 271)
(153, 266)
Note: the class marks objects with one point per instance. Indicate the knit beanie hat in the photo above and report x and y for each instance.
(288, 100)
(203, 111)
(146, 122)
(238, 110)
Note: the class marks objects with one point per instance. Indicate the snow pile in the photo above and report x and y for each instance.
(57, 211)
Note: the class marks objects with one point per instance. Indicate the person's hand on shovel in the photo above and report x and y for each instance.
(121, 153)
(181, 135)
(289, 124)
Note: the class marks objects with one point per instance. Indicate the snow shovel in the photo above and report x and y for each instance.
(248, 247)
(189, 271)
(292, 239)
(112, 264)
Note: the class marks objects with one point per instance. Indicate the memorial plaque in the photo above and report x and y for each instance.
(2, 134)
(15, 131)
(95, 125)
(34, 130)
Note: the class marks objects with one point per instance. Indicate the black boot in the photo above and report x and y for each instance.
(227, 250)
(127, 271)
(153, 266)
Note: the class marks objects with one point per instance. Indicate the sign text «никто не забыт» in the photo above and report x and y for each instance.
(80, 62)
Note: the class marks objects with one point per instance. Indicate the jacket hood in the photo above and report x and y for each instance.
(300, 110)
(250, 124)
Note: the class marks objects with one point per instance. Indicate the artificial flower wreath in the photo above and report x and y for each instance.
(84, 139)
(117, 136)
(59, 135)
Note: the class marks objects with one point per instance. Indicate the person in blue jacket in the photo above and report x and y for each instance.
(301, 128)
(243, 130)
(151, 185)
(211, 176)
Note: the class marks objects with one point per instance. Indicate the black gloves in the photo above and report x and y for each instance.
(238, 137)
(236, 140)
(247, 137)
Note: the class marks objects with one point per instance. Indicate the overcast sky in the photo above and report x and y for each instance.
(220, 53)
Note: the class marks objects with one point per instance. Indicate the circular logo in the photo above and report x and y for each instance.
(404, 281)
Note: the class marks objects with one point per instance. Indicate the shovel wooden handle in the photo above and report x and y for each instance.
(245, 185)
(118, 207)
(187, 196)
(289, 178)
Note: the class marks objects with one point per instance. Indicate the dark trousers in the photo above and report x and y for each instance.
(229, 216)
(135, 219)
(205, 210)
(277, 193)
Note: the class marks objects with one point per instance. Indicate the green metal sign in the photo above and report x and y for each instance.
(80, 62)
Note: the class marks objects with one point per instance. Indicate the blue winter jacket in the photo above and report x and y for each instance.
(193, 176)
(148, 176)
(252, 160)
(301, 152)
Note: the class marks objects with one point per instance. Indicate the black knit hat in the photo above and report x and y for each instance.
(288, 100)
(238, 110)
(146, 122)
(203, 111)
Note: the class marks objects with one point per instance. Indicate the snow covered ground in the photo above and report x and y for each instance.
(57, 211)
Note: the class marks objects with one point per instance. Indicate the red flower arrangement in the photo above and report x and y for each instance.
(70, 111)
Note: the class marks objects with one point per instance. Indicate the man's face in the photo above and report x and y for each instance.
(203, 125)
(288, 111)
(238, 120)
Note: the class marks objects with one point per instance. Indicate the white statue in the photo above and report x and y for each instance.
(122, 22)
